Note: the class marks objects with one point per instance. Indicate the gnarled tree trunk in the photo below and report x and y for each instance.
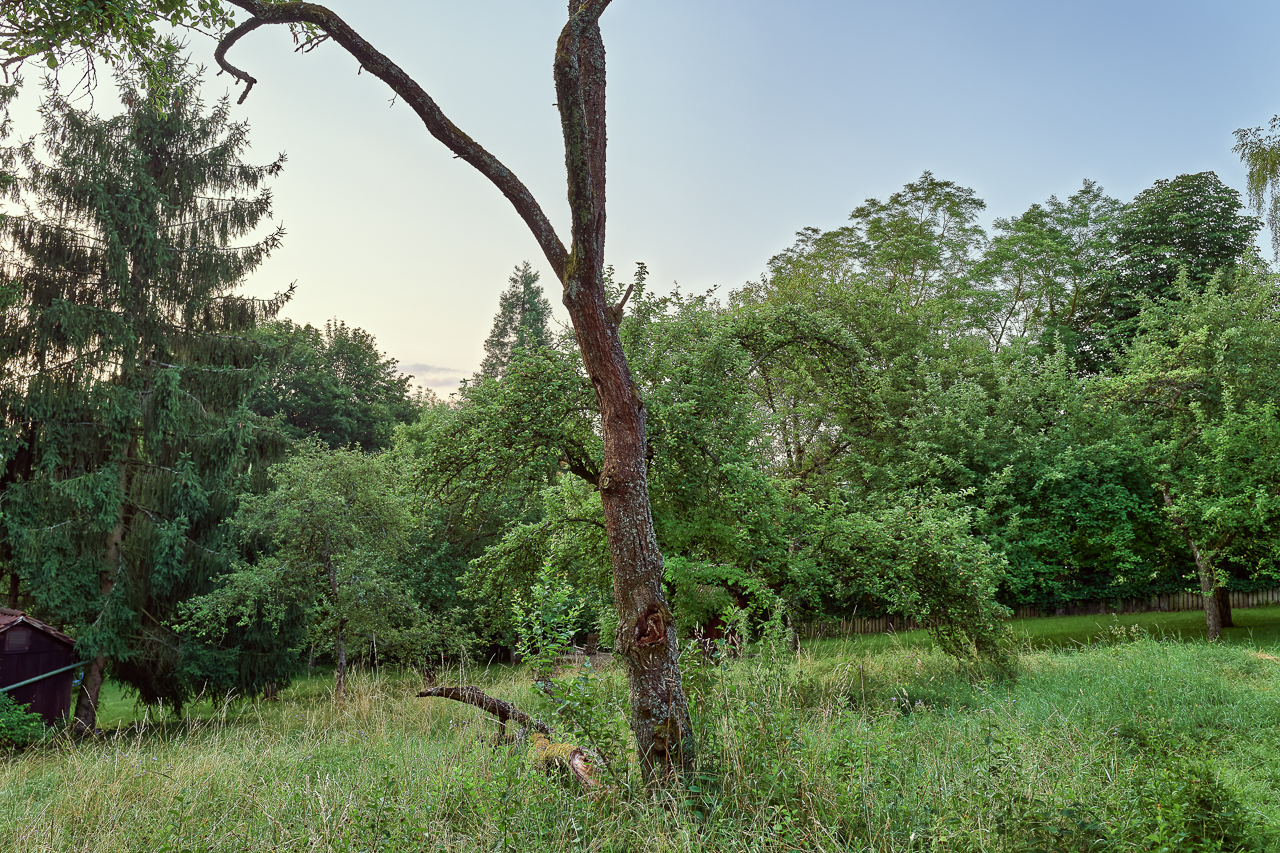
(646, 636)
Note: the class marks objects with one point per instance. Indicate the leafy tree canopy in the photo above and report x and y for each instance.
(335, 385)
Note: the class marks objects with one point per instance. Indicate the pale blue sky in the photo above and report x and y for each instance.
(732, 125)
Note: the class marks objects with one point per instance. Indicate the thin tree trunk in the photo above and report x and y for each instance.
(86, 714)
(340, 655)
(1208, 589)
(1222, 597)
(1208, 578)
(339, 644)
(13, 590)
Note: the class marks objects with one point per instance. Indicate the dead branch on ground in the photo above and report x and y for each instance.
(546, 751)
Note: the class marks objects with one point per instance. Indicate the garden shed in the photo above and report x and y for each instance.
(30, 648)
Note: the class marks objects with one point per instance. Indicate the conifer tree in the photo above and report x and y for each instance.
(125, 366)
(521, 321)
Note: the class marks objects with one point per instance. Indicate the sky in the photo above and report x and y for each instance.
(732, 125)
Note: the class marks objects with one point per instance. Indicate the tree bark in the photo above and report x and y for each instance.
(1208, 589)
(85, 719)
(340, 657)
(1222, 597)
(545, 750)
(490, 705)
(646, 638)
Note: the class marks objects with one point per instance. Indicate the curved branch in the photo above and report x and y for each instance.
(475, 696)
(220, 55)
(437, 124)
(544, 749)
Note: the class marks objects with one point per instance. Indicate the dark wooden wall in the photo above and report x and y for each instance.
(26, 652)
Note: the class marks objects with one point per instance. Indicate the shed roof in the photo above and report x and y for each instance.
(12, 618)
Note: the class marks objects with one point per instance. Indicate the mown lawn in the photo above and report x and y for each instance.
(1138, 740)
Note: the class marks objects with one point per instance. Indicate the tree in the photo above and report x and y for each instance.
(521, 321)
(1260, 152)
(1060, 481)
(334, 525)
(1192, 223)
(646, 639)
(333, 384)
(126, 360)
(919, 247)
(746, 494)
(1045, 266)
(1201, 386)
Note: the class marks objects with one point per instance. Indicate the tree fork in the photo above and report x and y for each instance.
(646, 635)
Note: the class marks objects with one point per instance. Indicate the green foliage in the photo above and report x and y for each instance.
(18, 726)
(922, 560)
(126, 362)
(332, 532)
(568, 539)
(702, 593)
(1199, 392)
(58, 33)
(1043, 270)
(546, 622)
(520, 324)
(1062, 484)
(1192, 224)
(1260, 152)
(334, 385)
(919, 245)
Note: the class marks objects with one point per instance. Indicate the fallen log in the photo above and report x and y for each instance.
(546, 752)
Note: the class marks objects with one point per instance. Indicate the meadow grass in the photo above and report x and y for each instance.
(1135, 741)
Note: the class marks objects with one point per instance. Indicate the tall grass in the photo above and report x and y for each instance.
(1138, 744)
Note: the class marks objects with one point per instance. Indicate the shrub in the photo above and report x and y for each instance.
(18, 726)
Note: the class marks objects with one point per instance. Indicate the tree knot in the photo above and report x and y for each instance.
(651, 628)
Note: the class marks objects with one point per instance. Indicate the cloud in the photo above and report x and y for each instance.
(422, 371)
(442, 380)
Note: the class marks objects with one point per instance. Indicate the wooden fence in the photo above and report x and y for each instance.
(1166, 603)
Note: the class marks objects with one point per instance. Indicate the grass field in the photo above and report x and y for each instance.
(1109, 738)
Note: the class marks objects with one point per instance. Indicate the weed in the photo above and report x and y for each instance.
(1142, 745)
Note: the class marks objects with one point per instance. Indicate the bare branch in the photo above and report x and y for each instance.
(220, 55)
(437, 124)
(475, 696)
(546, 751)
